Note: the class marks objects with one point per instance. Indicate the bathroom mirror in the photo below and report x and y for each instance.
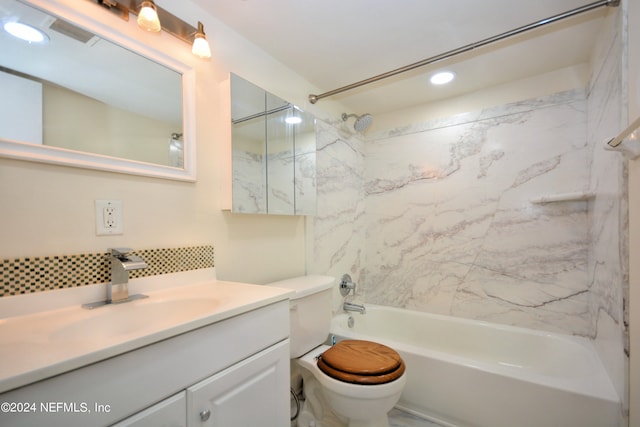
(273, 153)
(90, 97)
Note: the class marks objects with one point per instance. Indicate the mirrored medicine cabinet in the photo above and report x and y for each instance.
(90, 96)
(273, 153)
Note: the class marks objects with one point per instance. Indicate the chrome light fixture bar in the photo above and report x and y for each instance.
(169, 22)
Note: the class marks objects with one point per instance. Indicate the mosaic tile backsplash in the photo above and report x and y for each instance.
(36, 274)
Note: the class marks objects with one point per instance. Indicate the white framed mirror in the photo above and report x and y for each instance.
(93, 97)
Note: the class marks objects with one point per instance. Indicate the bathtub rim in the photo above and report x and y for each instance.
(595, 383)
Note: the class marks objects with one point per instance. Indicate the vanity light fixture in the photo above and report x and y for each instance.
(442, 77)
(25, 32)
(200, 46)
(148, 17)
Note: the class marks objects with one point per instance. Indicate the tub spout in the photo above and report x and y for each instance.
(348, 306)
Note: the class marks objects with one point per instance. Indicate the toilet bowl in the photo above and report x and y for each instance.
(354, 383)
(362, 405)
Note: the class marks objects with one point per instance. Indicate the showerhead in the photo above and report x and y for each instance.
(362, 122)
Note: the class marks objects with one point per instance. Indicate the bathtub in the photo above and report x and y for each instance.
(466, 373)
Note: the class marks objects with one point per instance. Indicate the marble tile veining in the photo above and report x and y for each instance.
(450, 227)
(439, 217)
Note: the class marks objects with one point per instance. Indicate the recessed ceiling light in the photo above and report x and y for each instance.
(25, 32)
(442, 77)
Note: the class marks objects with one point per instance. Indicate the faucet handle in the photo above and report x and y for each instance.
(346, 285)
(120, 252)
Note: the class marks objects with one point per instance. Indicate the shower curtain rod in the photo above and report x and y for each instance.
(586, 8)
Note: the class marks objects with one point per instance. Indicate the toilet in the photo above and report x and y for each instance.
(354, 383)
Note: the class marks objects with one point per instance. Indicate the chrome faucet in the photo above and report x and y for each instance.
(349, 306)
(121, 265)
(118, 287)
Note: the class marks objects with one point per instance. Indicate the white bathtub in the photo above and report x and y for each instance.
(466, 373)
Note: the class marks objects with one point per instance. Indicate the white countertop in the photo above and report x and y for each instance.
(59, 337)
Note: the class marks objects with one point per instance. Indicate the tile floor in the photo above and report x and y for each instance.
(398, 418)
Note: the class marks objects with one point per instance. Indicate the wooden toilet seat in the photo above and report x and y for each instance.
(361, 362)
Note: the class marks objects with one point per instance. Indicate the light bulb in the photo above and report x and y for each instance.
(148, 17)
(442, 78)
(200, 46)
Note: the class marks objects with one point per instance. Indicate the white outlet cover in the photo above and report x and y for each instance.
(101, 227)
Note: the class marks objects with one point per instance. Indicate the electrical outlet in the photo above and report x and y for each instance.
(108, 217)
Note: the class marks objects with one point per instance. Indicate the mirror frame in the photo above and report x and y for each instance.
(80, 14)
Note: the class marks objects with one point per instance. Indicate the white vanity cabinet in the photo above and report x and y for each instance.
(248, 394)
(237, 369)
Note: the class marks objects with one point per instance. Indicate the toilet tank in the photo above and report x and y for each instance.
(309, 311)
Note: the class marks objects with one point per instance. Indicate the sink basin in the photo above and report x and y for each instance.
(119, 320)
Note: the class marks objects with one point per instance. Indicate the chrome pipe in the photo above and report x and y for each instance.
(446, 55)
(261, 114)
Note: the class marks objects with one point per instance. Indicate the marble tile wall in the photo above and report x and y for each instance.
(450, 225)
(439, 216)
(336, 242)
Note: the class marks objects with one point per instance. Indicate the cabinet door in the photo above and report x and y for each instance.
(254, 392)
(171, 412)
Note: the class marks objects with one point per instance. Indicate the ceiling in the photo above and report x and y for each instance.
(333, 43)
